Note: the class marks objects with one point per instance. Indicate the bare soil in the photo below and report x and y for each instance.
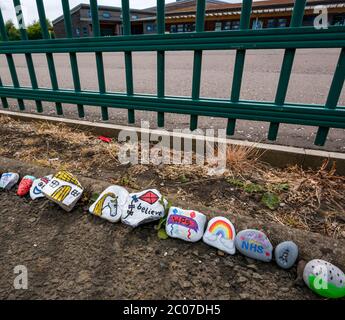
(75, 255)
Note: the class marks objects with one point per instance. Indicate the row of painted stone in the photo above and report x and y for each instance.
(116, 203)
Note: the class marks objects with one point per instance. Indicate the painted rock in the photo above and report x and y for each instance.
(37, 186)
(254, 244)
(286, 254)
(25, 185)
(9, 180)
(324, 279)
(143, 207)
(187, 225)
(220, 233)
(111, 204)
(64, 189)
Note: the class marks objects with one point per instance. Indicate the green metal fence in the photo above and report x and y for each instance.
(327, 116)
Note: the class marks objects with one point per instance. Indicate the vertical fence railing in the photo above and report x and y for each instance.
(3, 99)
(285, 72)
(160, 59)
(50, 58)
(72, 55)
(239, 63)
(96, 30)
(126, 22)
(28, 56)
(10, 61)
(199, 27)
(333, 96)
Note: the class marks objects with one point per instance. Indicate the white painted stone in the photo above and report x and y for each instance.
(143, 207)
(324, 278)
(9, 180)
(188, 225)
(220, 233)
(37, 186)
(254, 244)
(111, 204)
(64, 189)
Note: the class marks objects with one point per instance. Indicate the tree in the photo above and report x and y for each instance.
(35, 32)
(12, 31)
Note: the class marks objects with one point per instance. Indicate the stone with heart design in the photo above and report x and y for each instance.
(286, 254)
(220, 233)
(188, 225)
(25, 185)
(143, 207)
(64, 189)
(254, 244)
(9, 180)
(324, 278)
(38, 185)
(111, 204)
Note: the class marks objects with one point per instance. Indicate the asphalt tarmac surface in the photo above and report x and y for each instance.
(310, 82)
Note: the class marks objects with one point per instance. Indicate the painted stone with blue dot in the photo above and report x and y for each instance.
(254, 244)
(188, 225)
(286, 254)
(325, 279)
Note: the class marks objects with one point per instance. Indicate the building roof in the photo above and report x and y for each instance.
(106, 8)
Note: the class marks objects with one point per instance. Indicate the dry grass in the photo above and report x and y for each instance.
(315, 200)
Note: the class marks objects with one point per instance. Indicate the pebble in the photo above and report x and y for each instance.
(286, 254)
(241, 279)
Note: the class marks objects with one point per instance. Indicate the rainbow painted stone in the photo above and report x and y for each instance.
(187, 225)
(111, 204)
(9, 180)
(143, 207)
(254, 244)
(64, 189)
(38, 185)
(25, 185)
(220, 233)
(325, 279)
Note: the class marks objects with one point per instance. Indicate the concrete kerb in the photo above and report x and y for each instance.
(276, 155)
(311, 245)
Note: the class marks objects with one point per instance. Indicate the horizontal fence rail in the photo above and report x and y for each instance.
(329, 115)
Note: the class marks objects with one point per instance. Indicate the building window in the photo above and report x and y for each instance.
(218, 26)
(150, 28)
(134, 17)
(189, 27)
(227, 25)
(106, 15)
(85, 31)
(257, 24)
(173, 28)
(180, 28)
(272, 23)
(338, 21)
(235, 25)
(282, 23)
(77, 32)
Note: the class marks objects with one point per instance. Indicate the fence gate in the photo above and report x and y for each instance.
(329, 115)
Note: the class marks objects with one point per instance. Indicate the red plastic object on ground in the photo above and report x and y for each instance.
(105, 139)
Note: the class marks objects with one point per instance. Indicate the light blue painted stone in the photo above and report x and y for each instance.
(286, 254)
(254, 244)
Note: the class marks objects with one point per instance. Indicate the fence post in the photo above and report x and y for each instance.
(239, 63)
(96, 30)
(126, 19)
(285, 73)
(200, 26)
(161, 58)
(50, 59)
(72, 55)
(10, 61)
(28, 57)
(333, 96)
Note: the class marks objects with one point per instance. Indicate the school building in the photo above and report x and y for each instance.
(181, 14)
